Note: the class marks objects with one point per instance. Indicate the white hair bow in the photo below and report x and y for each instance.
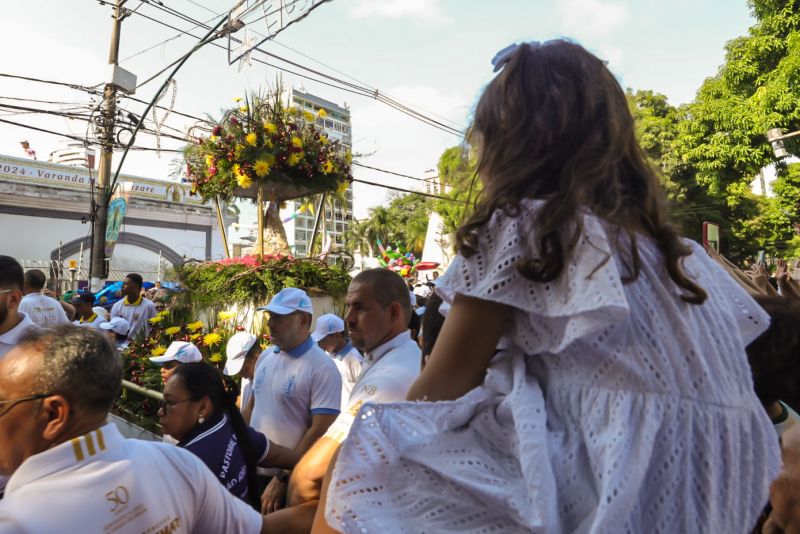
(504, 56)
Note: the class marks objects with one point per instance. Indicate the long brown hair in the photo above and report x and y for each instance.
(555, 125)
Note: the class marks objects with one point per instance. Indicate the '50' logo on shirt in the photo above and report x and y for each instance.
(118, 496)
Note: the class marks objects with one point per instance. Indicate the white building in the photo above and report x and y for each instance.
(73, 154)
(337, 220)
(44, 212)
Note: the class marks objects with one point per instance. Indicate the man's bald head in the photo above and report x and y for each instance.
(387, 287)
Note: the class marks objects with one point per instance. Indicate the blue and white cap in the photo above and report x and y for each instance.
(326, 325)
(289, 300)
(179, 351)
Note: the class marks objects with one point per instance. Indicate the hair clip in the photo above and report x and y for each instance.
(504, 56)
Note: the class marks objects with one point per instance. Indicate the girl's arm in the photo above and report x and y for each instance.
(282, 457)
(463, 351)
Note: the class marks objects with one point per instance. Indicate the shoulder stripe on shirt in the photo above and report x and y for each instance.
(209, 431)
(77, 446)
(325, 411)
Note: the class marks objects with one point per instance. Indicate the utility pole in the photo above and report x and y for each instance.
(99, 266)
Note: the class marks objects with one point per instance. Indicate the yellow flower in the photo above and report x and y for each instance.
(212, 339)
(195, 326)
(261, 168)
(238, 148)
(307, 115)
(226, 315)
(172, 330)
(155, 320)
(213, 138)
(194, 337)
(295, 158)
(158, 351)
(327, 167)
(244, 109)
(244, 181)
(292, 109)
(209, 160)
(322, 113)
(251, 139)
(237, 99)
(271, 128)
(348, 157)
(324, 139)
(163, 313)
(216, 357)
(297, 142)
(343, 187)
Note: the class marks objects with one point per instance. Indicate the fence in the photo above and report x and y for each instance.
(62, 277)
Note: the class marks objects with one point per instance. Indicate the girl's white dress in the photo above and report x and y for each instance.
(611, 407)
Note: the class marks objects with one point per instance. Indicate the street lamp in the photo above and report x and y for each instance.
(776, 136)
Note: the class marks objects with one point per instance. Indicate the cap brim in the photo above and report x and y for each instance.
(162, 359)
(317, 336)
(277, 308)
(107, 326)
(234, 365)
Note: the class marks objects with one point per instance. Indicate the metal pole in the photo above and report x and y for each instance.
(320, 212)
(80, 261)
(222, 230)
(99, 266)
(260, 203)
(159, 267)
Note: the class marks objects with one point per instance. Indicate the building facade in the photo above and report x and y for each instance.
(45, 210)
(73, 154)
(338, 213)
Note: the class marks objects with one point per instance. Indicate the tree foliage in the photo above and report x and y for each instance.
(404, 219)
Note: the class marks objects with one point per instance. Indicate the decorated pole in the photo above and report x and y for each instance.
(221, 223)
(260, 205)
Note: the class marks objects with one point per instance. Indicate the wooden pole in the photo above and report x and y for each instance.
(221, 223)
(320, 213)
(260, 202)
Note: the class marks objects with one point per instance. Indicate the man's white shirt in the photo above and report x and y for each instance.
(43, 310)
(290, 387)
(349, 362)
(102, 482)
(93, 321)
(137, 314)
(11, 338)
(386, 376)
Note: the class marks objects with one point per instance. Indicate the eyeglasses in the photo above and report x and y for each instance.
(166, 405)
(13, 402)
(3, 291)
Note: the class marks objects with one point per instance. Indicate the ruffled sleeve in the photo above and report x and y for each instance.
(587, 297)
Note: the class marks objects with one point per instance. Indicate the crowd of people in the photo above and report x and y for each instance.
(579, 367)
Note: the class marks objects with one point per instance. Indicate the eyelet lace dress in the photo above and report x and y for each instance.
(611, 407)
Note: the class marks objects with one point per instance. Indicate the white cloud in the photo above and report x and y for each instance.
(429, 11)
(591, 18)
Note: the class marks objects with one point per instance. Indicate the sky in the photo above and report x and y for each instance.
(432, 55)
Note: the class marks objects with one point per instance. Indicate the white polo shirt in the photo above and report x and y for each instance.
(349, 362)
(93, 321)
(137, 314)
(291, 386)
(43, 310)
(11, 338)
(102, 482)
(387, 374)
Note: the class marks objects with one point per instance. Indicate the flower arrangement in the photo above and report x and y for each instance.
(254, 279)
(398, 259)
(262, 142)
(166, 328)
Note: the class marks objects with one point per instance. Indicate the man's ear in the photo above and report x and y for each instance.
(56, 412)
(395, 311)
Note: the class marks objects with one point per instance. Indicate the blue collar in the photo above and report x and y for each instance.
(347, 348)
(299, 350)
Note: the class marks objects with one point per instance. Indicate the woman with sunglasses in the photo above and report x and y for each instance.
(201, 414)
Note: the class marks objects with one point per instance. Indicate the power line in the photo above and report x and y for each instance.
(343, 85)
(70, 85)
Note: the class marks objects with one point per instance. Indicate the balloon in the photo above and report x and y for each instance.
(404, 271)
(426, 265)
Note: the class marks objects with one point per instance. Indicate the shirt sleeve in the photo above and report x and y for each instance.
(326, 389)
(260, 443)
(115, 309)
(217, 509)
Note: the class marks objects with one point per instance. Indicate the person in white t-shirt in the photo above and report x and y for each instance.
(297, 390)
(13, 322)
(134, 307)
(42, 310)
(378, 310)
(330, 336)
(243, 354)
(72, 471)
(84, 314)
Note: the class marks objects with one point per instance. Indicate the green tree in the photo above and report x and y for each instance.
(403, 220)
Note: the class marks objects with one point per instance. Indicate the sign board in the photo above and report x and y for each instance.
(711, 235)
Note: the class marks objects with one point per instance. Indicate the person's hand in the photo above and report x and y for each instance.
(781, 269)
(784, 492)
(274, 496)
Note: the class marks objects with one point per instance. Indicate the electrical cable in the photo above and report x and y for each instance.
(70, 85)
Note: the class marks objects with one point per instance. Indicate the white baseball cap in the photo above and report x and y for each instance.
(289, 300)
(102, 312)
(327, 324)
(120, 325)
(239, 345)
(179, 351)
(423, 291)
